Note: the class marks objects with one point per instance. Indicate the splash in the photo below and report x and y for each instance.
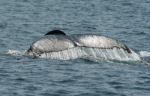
(16, 52)
(99, 54)
(85, 53)
(144, 54)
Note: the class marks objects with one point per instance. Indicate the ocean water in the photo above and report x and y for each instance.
(23, 21)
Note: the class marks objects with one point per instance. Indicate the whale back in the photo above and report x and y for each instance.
(55, 32)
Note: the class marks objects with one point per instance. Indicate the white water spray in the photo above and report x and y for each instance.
(15, 52)
(81, 52)
(144, 54)
(87, 53)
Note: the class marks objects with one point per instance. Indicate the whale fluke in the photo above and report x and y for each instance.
(55, 32)
(57, 45)
(51, 43)
(98, 41)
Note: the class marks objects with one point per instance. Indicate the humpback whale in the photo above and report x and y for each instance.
(57, 41)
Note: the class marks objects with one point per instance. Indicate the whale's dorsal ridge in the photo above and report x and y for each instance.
(55, 32)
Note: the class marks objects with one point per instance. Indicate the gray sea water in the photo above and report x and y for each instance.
(23, 21)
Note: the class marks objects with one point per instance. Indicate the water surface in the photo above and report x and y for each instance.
(23, 21)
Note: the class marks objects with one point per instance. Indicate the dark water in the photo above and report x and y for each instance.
(22, 21)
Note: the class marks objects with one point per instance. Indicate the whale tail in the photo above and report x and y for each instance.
(55, 32)
(57, 45)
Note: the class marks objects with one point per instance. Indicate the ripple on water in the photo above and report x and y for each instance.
(22, 21)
